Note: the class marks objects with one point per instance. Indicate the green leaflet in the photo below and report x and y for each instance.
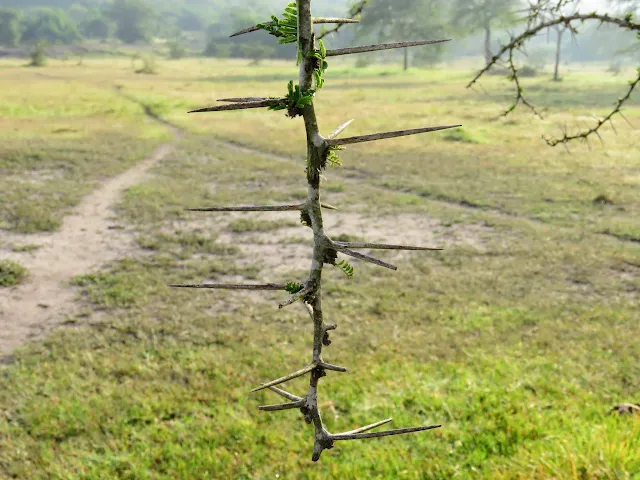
(345, 267)
(332, 157)
(296, 100)
(293, 287)
(285, 29)
(321, 66)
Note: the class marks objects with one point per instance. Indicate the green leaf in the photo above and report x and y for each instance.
(293, 287)
(346, 268)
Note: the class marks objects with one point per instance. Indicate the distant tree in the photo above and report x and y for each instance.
(405, 19)
(50, 26)
(470, 16)
(9, 27)
(189, 21)
(257, 52)
(98, 27)
(218, 49)
(38, 56)
(177, 49)
(133, 19)
(77, 12)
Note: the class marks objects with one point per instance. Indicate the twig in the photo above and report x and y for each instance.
(539, 22)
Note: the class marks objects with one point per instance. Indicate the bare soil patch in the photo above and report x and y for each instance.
(85, 241)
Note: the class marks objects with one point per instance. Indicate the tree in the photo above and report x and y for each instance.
(9, 27)
(549, 10)
(404, 19)
(190, 21)
(50, 26)
(133, 20)
(470, 16)
(97, 27)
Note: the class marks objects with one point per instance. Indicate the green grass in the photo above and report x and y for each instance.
(243, 225)
(25, 248)
(519, 337)
(11, 273)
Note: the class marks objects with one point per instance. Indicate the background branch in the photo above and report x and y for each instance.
(538, 22)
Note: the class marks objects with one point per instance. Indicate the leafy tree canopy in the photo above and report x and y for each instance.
(51, 26)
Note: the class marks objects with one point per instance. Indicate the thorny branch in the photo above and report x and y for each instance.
(325, 250)
(538, 22)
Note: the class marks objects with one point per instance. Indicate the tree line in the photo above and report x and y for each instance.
(139, 21)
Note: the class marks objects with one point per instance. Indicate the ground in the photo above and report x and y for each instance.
(518, 337)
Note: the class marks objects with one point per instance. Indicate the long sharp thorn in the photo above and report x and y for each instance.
(294, 298)
(285, 394)
(243, 99)
(382, 246)
(366, 258)
(381, 46)
(387, 433)
(329, 366)
(368, 427)
(625, 118)
(291, 376)
(241, 105)
(229, 286)
(315, 20)
(380, 136)
(248, 208)
(340, 129)
(328, 207)
(281, 406)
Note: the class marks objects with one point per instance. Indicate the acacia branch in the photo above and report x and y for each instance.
(594, 130)
(324, 250)
(381, 46)
(537, 23)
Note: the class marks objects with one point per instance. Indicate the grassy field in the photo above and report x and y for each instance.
(518, 337)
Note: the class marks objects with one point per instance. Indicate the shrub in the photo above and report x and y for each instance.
(11, 273)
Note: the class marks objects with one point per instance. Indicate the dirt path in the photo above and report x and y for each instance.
(84, 242)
